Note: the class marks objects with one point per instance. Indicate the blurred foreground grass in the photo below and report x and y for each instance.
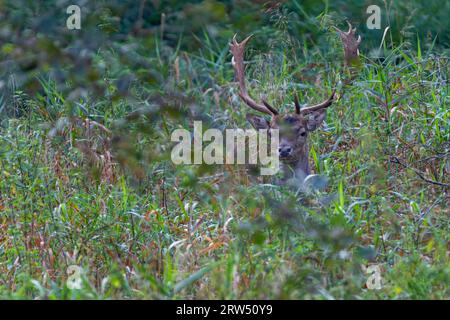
(84, 143)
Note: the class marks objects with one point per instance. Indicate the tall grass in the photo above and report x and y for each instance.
(88, 182)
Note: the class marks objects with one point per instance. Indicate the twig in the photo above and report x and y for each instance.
(418, 173)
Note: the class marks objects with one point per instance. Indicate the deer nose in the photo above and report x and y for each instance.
(284, 151)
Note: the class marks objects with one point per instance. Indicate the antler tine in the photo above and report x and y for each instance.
(319, 106)
(359, 39)
(350, 31)
(268, 106)
(237, 49)
(297, 104)
(338, 30)
(350, 28)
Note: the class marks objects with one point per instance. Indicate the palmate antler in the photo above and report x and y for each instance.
(350, 43)
(237, 50)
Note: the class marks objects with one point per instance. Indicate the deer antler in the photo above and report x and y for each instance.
(238, 49)
(322, 105)
(351, 43)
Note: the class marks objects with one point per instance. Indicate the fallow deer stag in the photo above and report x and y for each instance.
(293, 127)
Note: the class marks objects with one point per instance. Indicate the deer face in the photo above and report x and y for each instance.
(293, 132)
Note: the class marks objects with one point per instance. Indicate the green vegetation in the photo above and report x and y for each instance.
(86, 177)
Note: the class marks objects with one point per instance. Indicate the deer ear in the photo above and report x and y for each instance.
(257, 121)
(315, 119)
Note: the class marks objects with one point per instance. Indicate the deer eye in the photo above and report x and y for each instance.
(300, 132)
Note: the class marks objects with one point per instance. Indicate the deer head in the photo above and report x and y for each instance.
(293, 127)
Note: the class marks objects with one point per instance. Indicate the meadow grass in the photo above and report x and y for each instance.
(110, 200)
